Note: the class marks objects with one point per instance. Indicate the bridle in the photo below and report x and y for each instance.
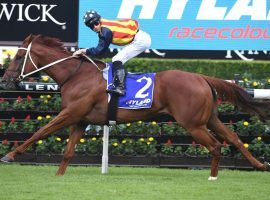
(28, 54)
(23, 60)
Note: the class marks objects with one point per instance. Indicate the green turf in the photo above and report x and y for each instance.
(79, 183)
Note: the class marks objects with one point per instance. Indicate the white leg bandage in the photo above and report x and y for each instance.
(211, 178)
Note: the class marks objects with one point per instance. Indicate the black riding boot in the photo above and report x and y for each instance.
(119, 78)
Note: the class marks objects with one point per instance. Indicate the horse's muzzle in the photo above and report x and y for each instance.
(8, 85)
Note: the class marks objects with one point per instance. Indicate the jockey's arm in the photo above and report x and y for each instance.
(105, 39)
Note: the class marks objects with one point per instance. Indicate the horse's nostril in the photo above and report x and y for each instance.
(3, 81)
(2, 86)
(7, 85)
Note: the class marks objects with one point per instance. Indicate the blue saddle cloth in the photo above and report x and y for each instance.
(139, 89)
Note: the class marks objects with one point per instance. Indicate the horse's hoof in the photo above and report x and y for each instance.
(6, 159)
(212, 178)
(59, 174)
(267, 166)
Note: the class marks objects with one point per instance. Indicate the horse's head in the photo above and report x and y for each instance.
(41, 53)
(19, 64)
(35, 52)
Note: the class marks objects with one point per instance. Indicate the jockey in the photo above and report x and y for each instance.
(118, 32)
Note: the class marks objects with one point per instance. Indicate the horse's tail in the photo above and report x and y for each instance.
(236, 95)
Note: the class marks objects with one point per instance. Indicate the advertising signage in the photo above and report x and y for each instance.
(189, 24)
(55, 18)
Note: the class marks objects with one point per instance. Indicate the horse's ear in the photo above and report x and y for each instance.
(29, 38)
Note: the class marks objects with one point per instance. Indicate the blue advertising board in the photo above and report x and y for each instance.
(188, 24)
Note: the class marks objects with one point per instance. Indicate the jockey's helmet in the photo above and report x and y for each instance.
(90, 17)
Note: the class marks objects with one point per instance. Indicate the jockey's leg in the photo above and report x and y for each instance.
(141, 42)
(119, 76)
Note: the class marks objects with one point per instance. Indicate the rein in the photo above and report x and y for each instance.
(101, 70)
(28, 54)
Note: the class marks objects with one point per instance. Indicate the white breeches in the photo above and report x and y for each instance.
(141, 42)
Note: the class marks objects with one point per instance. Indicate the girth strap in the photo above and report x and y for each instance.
(112, 109)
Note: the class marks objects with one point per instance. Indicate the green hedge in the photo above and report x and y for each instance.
(224, 69)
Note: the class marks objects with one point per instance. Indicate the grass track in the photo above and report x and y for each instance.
(39, 182)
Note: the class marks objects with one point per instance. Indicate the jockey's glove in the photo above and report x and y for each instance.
(79, 52)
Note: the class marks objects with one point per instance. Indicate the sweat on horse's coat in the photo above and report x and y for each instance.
(188, 97)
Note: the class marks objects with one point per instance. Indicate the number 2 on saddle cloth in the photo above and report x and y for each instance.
(139, 90)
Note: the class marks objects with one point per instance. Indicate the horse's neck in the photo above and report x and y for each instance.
(62, 72)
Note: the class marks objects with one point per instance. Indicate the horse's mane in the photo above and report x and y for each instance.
(45, 40)
(52, 42)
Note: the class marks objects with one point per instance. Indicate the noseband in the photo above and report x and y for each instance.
(13, 74)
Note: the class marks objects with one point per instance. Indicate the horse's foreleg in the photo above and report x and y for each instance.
(76, 133)
(63, 119)
(202, 136)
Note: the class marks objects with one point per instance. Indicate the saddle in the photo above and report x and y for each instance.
(139, 91)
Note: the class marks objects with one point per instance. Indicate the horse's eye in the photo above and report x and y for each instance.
(17, 57)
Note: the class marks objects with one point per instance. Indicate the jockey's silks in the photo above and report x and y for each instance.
(123, 31)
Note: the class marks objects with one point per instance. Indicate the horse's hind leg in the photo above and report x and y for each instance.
(203, 137)
(76, 133)
(219, 128)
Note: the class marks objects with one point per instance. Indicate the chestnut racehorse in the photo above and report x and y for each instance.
(188, 97)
